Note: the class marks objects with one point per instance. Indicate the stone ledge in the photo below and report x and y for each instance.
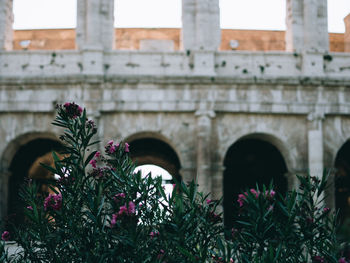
(205, 80)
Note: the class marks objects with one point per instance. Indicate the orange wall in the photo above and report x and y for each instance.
(129, 38)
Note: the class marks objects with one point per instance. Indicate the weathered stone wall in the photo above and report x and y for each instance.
(199, 101)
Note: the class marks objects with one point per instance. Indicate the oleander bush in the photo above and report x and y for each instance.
(100, 210)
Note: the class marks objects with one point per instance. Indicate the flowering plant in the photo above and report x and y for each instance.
(295, 227)
(100, 210)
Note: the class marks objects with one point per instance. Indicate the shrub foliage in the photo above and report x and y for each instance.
(100, 210)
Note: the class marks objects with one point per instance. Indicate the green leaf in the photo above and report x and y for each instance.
(89, 158)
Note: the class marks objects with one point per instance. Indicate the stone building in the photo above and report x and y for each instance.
(227, 118)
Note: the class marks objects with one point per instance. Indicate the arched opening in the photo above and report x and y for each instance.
(155, 171)
(22, 161)
(342, 188)
(155, 152)
(249, 162)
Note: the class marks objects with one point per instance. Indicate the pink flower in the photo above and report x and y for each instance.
(318, 259)
(97, 154)
(154, 234)
(110, 143)
(80, 110)
(72, 110)
(131, 209)
(5, 236)
(93, 163)
(342, 260)
(114, 220)
(30, 207)
(326, 210)
(112, 149)
(272, 193)
(54, 201)
(127, 147)
(208, 201)
(123, 210)
(241, 198)
(254, 192)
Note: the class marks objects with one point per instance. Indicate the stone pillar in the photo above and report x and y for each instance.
(315, 143)
(95, 24)
(307, 26)
(315, 146)
(208, 33)
(201, 33)
(203, 150)
(95, 33)
(307, 33)
(316, 26)
(347, 33)
(6, 21)
(188, 24)
(294, 26)
(201, 25)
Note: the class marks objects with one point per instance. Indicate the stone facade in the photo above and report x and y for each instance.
(198, 101)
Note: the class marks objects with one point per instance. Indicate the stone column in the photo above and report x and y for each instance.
(347, 33)
(95, 24)
(188, 24)
(294, 26)
(315, 143)
(315, 146)
(315, 26)
(208, 33)
(95, 33)
(201, 33)
(316, 42)
(307, 33)
(307, 26)
(204, 130)
(6, 21)
(201, 25)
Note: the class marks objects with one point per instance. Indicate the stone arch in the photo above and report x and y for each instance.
(342, 183)
(154, 148)
(252, 159)
(271, 138)
(15, 162)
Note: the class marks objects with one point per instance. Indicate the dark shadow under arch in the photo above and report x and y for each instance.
(249, 162)
(19, 167)
(342, 186)
(157, 152)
